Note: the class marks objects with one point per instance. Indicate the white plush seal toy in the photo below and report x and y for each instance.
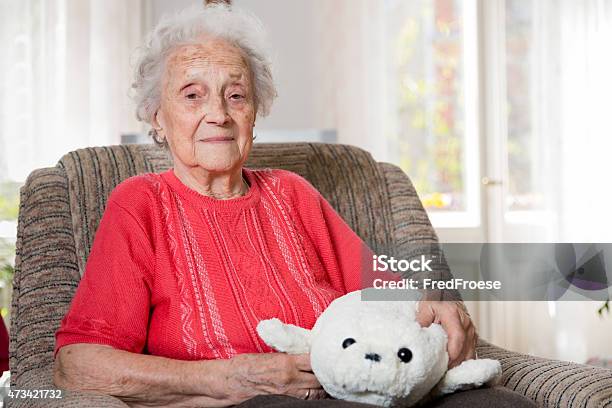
(376, 352)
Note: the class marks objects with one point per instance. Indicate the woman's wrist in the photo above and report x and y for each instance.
(203, 383)
(214, 376)
(213, 379)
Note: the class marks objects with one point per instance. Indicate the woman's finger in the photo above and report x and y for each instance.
(469, 349)
(304, 379)
(470, 343)
(456, 337)
(425, 315)
(308, 393)
(318, 394)
(300, 393)
(463, 355)
(470, 355)
(302, 362)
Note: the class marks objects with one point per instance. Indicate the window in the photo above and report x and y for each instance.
(432, 68)
(453, 65)
(523, 192)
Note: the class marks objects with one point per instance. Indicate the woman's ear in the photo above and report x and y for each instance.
(158, 121)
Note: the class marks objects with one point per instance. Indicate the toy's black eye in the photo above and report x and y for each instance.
(348, 342)
(404, 354)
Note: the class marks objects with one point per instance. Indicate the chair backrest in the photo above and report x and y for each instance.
(346, 176)
(61, 207)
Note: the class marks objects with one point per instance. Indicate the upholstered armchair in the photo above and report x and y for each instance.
(61, 206)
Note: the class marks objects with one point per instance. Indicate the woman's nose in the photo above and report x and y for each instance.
(215, 113)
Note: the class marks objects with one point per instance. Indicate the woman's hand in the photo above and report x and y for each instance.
(455, 319)
(250, 375)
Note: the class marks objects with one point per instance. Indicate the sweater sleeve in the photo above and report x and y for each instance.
(344, 255)
(112, 302)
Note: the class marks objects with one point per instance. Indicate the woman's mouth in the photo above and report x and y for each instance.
(218, 139)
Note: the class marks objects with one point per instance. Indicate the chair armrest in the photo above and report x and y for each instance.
(46, 277)
(551, 383)
(412, 232)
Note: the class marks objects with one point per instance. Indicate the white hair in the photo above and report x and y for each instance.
(240, 28)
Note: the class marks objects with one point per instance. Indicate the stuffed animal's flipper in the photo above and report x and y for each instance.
(286, 338)
(469, 374)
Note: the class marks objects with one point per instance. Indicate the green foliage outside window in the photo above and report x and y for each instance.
(7, 269)
(9, 201)
(9, 210)
(427, 59)
(7, 260)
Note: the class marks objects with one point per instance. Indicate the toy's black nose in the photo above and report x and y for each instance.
(372, 356)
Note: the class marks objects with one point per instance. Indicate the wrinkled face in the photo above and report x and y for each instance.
(370, 353)
(207, 109)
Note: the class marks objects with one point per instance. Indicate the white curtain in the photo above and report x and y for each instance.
(65, 74)
(581, 131)
(571, 111)
(585, 86)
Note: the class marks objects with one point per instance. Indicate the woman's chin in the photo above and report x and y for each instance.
(219, 158)
(218, 166)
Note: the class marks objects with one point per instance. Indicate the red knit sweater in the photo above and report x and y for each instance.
(178, 274)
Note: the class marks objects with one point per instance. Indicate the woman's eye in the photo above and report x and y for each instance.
(192, 96)
(236, 97)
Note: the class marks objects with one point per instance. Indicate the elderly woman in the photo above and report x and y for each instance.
(186, 263)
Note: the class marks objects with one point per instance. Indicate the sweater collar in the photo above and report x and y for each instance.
(200, 200)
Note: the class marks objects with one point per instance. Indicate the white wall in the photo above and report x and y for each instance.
(289, 25)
